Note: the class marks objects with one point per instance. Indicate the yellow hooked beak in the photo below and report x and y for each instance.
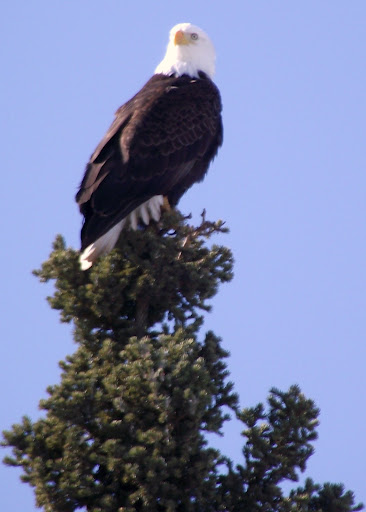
(180, 38)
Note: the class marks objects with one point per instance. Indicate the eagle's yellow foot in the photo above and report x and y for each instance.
(166, 206)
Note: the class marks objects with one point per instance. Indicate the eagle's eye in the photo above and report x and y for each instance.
(194, 36)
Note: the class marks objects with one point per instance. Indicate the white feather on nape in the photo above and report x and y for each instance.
(196, 55)
(105, 243)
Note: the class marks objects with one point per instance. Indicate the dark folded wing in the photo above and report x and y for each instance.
(161, 142)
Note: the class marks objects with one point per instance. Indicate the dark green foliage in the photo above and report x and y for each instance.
(321, 498)
(277, 443)
(159, 274)
(125, 428)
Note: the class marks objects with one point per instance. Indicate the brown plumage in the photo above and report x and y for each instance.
(160, 143)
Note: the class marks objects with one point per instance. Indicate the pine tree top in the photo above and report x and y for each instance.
(124, 430)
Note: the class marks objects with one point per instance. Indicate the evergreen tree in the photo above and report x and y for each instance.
(125, 428)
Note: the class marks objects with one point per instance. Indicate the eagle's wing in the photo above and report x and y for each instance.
(161, 142)
(96, 170)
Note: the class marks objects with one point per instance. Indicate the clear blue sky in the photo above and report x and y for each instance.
(290, 183)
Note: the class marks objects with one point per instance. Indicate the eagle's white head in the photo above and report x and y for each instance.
(189, 51)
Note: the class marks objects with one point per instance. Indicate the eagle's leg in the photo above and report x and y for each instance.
(166, 206)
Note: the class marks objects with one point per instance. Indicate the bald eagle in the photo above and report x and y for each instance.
(160, 143)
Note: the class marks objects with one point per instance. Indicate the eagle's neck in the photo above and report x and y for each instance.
(178, 62)
(177, 69)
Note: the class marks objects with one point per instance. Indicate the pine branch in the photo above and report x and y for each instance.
(124, 430)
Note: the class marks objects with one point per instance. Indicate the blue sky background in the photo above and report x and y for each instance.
(289, 181)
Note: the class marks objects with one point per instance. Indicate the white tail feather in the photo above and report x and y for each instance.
(144, 214)
(105, 243)
(154, 206)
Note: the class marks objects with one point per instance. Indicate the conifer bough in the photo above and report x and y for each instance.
(125, 429)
